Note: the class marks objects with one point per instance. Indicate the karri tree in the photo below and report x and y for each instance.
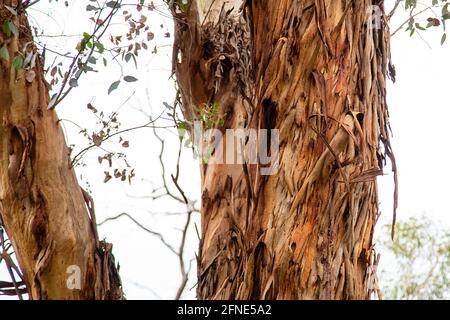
(312, 73)
(43, 209)
(316, 71)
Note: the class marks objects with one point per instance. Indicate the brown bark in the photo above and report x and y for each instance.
(315, 71)
(41, 204)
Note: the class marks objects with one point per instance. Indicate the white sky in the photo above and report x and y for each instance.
(420, 114)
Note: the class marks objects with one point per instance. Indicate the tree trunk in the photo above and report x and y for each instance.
(42, 206)
(314, 70)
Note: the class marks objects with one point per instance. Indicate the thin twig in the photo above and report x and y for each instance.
(156, 234)
(411, 17)
(184, 274)
(10, 265)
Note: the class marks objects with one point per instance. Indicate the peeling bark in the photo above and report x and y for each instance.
(42, 205)
(314, 70)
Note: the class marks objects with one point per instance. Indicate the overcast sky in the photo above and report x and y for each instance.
(419, 111)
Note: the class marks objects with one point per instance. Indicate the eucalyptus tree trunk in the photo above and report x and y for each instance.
(314, 70)
(42, 207)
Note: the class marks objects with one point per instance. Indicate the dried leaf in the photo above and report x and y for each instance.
(107, 177)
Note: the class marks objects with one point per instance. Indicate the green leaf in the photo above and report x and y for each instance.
(86, 68)
(130, 55)
(445, 12)
(130, 79)
(445, 9)
(6, 30)
(100, 46)
(105, 62)
(113, 4)
(168, 106)
(182, 125)
(4, 54)
(13, 27)
(90, 7)
(113, 86)
(418, 26)
(92, 60)
(17, 63)
(9, 28)
(73, 82)
(444, 37)
(181, 128)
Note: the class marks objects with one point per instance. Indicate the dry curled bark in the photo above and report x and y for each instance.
(316, 71)
(41, 204)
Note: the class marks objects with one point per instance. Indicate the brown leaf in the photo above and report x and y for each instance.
(96, 139)
(91, 107)
(107, 177)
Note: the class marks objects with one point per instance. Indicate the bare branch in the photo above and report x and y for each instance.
(407, 20)
(184, 273)
(394, 9)
(10, 266)
(154, 233)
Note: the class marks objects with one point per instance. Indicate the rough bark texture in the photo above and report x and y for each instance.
(41, 204)
(316, 71)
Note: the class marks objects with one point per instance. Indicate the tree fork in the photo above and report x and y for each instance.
(41, 204)
(316, 71)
